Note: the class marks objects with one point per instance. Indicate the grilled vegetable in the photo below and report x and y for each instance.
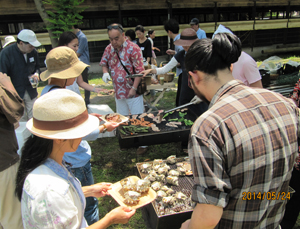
(182, 114)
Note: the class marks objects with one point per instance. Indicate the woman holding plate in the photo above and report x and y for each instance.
(51, 197)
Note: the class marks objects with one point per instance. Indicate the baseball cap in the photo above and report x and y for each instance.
(194, 21)
(29, 36)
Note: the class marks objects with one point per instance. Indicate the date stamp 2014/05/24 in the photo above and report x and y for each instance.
(266, 195)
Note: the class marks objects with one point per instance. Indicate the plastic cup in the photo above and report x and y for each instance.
(162, 80)
(33, 81)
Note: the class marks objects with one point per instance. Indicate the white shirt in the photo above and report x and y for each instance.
(50, 201)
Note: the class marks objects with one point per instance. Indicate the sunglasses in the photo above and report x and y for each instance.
(110, 27)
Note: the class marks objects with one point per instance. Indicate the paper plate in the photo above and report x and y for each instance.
(117, 193)
(122, 117)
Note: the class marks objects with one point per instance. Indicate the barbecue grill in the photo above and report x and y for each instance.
(165, 135)
(151, 212)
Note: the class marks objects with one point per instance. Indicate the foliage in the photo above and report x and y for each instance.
(288, 79)
(64, 15)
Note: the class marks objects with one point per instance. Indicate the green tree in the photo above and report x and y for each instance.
(62, 16)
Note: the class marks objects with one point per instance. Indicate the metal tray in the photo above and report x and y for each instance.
(165, 135)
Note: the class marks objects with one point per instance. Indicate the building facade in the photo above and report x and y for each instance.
(256, 23)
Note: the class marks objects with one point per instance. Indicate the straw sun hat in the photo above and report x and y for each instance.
(62, 63)
(61, 114)
(187, 37)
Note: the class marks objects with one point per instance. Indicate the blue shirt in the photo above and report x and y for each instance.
(177, 50)
(83, 153)
(83, 48)
(201, 34)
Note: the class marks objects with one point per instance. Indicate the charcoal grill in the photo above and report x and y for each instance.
(151, 213)
(165, 135)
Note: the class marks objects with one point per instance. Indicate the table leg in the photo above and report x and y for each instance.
(157, 99)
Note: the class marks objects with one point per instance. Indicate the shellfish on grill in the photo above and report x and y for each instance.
(173, 173)
(142, 185)
(170, 192)
(161, 178)
(171, 159)
(150, 178)
(160, 194)
(168, 200)
(159, 162)
(173, 180)
(146, 167)
(152, 173)
(181, 171)
(128, 184)
(132, 197)
(163, 170)
(156, 185)
(180, 196)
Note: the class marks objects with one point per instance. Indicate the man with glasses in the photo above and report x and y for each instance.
(20, 61)
(122, 57)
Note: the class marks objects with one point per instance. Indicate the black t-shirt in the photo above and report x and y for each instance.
(187, 93)
(146, 48)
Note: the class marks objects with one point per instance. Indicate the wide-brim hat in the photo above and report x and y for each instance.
(61, 114)
(8, 40)
(62, 63)
(187, 37)
(29, 36)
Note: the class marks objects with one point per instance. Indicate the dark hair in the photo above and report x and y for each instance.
(34, 153)
(130, 33)
(171, 25)
(211, 55)
(66, 37)
(75, 26)
(18, 41)
(150, 31)
(139, 28)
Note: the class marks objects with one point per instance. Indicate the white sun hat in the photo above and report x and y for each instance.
(8, 40)
(61, 114)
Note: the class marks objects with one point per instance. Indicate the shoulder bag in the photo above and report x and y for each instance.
(142, 87)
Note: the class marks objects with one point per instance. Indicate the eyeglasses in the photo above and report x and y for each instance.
(110, 27)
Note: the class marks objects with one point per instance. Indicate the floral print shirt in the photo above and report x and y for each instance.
(132, 59)
(52, 198)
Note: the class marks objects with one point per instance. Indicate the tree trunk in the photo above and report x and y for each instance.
(41, 9)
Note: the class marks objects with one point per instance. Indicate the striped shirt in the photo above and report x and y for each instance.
(245, 144)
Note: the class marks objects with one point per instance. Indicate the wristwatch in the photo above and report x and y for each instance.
(105, 128)
(134, 88)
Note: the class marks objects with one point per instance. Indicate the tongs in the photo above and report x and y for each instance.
(137, 75)
(161, 115)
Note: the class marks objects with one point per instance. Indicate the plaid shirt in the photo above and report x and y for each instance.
(244, 144)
